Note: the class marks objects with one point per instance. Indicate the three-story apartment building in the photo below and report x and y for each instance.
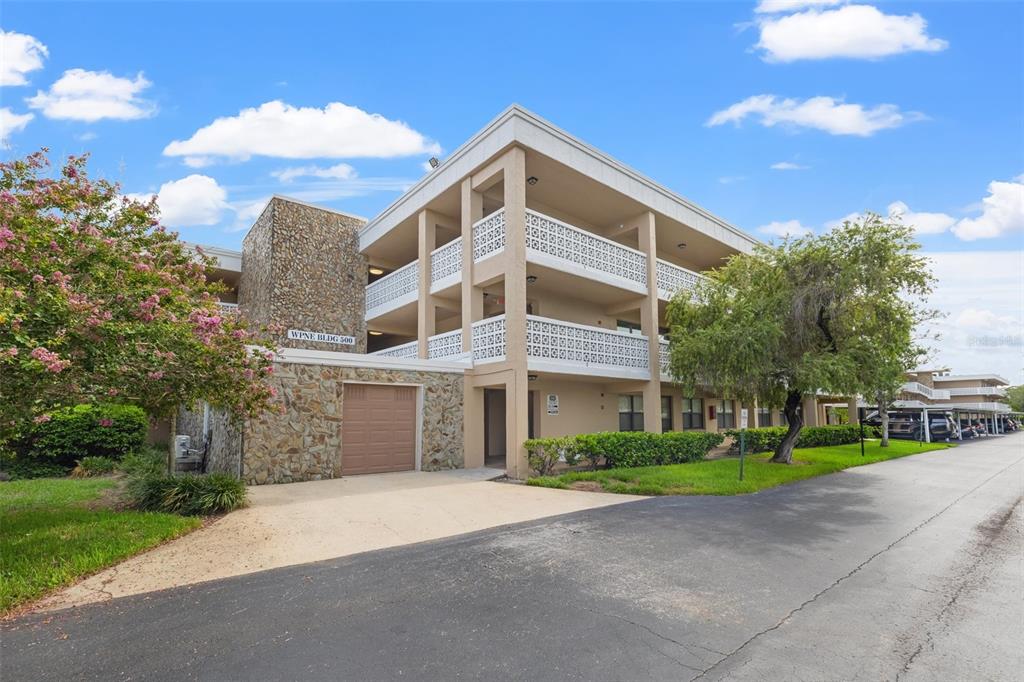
(530, 265)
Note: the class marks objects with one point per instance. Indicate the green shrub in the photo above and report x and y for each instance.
(188, 495)
(622, 448)
(148, 461)
(18, 468)
(766, 439)
(102, 430)
(93, 466)
(545, 453)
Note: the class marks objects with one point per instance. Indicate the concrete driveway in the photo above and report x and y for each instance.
(298, 523)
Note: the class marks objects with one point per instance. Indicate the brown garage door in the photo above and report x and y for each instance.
(378, 429)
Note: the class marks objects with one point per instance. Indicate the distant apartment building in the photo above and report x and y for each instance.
(968, 397)
(517, 290)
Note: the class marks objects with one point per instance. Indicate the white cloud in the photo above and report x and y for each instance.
(853, 31)
(1002, 212)
(731, 179)
(923, 223)
(787, 165)
(280, 130)
(785, 229)
(81, 95)
(821, 113)
(982, 296)
(11, 122)
(86, 136)
(190, 201)
(773, 6)
(19, 55)
(341, 171)
(246, 213)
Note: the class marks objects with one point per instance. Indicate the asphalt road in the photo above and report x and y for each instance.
(910, 569)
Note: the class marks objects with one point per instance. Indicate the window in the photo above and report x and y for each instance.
(782, 418)
(666, 413)
(764, 416)
(726, 416)
(628, 327)
(693, 413)
(631, 413)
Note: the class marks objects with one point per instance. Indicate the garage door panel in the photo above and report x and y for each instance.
(378, 429)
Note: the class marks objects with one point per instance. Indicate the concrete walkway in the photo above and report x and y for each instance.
(298, 523)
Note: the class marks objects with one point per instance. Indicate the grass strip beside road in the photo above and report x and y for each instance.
(720, 476)
(54, 531)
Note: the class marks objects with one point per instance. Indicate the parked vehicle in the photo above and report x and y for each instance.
(908, 425)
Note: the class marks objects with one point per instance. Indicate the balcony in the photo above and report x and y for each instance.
(927, 391)
(977, 390)
(566, 348)
(550, 243)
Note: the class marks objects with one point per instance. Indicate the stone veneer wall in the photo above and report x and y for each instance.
(302, 269)
(304, 443)
(225, 443)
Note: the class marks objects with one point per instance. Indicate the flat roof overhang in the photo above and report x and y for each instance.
(517, 126)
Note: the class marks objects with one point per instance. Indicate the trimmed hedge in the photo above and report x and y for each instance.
(766, 439)
(621, 449)
(101, 430)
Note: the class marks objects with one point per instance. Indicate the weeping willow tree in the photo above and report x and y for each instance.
(834, 314)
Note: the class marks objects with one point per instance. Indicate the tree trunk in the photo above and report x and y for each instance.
(883, 414)
(171, 454)
(795, 420)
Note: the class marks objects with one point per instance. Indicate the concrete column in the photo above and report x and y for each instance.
(810, 410)
(472, 297)
(473, 424)
(648, 242)
(517, 390)
(425, 315)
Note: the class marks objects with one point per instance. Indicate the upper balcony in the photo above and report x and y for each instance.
(927, 391)
(977, 391)
(550, 243)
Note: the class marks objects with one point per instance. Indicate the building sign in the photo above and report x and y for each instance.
(321, 337)
(743, 418)
(552, 404)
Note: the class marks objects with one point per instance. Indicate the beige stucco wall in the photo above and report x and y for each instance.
(583, 407)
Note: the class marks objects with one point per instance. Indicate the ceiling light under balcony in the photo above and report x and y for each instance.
(375, 270)
(681, 245)
(530, 279)
(374, 332)
(532, 180)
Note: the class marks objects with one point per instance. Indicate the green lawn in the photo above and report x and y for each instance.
(53, 531)
(720, 476)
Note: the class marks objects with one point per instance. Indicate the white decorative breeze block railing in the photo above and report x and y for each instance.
(977, 390)
(446, 263)
(445, 345)
(489, 235)
(927, 391)
(227, 306)
(672, 278)
(489, 339)
(591, 252)
(663, 357)
(406, 350)
(390, 291)
(557, 342)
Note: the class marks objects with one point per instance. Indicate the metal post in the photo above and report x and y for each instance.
(860, 420)
(926, 428)
(743, 448)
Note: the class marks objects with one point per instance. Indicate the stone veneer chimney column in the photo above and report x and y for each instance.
(302, 269)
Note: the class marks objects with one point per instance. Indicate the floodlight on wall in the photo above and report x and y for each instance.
(434, 163)
(532, 180)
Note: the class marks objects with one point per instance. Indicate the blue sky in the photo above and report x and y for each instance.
(912, 107)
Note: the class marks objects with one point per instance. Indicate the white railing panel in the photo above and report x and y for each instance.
(406, 350)
(925, 390)
(568, 343)
(663, 357)
(591, 252)
(392, 290)
(672, 278)
(445, 345)
(977, 390)
(489, 235)
(489, 339)
(446, 264)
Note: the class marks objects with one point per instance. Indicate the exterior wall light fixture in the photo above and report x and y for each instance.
(532, 180)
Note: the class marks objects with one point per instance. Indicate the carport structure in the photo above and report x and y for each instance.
(991, 415)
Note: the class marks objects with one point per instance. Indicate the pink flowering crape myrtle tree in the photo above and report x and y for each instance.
(99, 302)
